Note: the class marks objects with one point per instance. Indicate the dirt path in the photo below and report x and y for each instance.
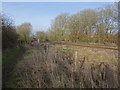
(85, 45)
(8, 67)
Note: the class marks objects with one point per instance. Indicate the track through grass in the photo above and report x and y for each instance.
(9, 60)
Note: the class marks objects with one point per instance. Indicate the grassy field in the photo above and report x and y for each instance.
(57, 66)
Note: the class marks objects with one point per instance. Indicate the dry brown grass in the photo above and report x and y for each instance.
(53, 67)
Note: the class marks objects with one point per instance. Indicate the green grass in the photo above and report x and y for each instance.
(9, 60)
(12, 83)
(10, 54)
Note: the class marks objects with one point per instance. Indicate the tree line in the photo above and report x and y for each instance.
(89, 25)
(98, 26)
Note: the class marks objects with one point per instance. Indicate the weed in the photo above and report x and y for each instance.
(57, 67)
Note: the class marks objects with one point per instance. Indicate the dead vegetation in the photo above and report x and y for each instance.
(53, 67)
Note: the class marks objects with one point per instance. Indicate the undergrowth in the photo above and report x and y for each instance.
(55, 67)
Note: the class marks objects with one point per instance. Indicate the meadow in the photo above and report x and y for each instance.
(55, 66)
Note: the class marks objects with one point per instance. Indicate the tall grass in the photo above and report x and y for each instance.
(53, 67)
